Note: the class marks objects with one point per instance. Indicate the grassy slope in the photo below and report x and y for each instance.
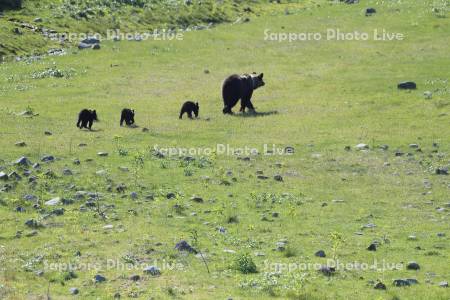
(329, 94)
(86, 16)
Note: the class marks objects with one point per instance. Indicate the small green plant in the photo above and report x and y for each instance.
(337, 240)
(244, 264)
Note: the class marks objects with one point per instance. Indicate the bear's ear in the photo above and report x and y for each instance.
(261, 75)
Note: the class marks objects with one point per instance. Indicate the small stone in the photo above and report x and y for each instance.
(48, 133)
(99, 278)
(74, 291)
(3, 176)
(48, 158)
(29, 197)
(275, 215)
(37, 20)
(428, 95)
(171, 195)
(96, 47)
(281, 246)
(76, 161)
(108, 227)
(414, 146)
(135, 277)
(53, 202)
(262, 177)
(370, 11)
(320, 253)
(405, 282)
(441, 234)
(384, 147)
(413, 266)
(32, 223)
(184, 246)
(443, 284)
(372, 247)
(412, 238)
(380, 286)
(327, 271)
(20, 144)
(102, 154)
(362, 146)
(133, 195)
(124, 169)
(442, 171)
(197, 199)
(145, 129)
(14, 176)
(278, 178)
(23, 161)
(152, 270)
(39, 273)
(36, 166)
(407, 85)
(82, 145)
(67, 172)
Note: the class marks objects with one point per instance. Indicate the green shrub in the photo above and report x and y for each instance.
(244, 264)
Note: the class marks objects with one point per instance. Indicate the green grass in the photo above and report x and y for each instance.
(327, 95)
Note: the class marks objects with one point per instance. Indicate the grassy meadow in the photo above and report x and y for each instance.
(320, 97)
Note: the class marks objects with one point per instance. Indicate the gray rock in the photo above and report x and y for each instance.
(197, 199)
(135, 277)
(32, 223)
(76, 161)
(413, 266)
(14, 176)
(48, 158)
(124, 169)
(407, 85)
(442, 171)
(3, 176)
(23, 161)
(443, 284)
(405, 282)
(67, 172)
(20, 144)
(102, 154)
(372, 247)
(320, 253)
(48, 133)
(262, 177)
(74, 291)
(327, 271)
(379, 286)
(370, 11)
(53, 202)
(82, 46)
(91, 41)
(152, 270)
(36, 166)
(281, 246)
(37, 20)
(171, 195)
(133, 195)
(184, 246)
(99, 278)
(96, 47)
(278, 177)
(29, 197)
(362, 146)
(414, 146)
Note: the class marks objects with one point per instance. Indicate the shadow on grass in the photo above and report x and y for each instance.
(255, 114)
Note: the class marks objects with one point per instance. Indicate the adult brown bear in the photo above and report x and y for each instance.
(241, 87)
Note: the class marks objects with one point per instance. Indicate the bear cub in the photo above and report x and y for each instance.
(240, 87)
(189, 107)
(127, 116)
(86, 117)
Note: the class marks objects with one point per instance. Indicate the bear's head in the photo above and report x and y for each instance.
(196, 109)
(132, 113)
(94, 115)
(257, 80)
